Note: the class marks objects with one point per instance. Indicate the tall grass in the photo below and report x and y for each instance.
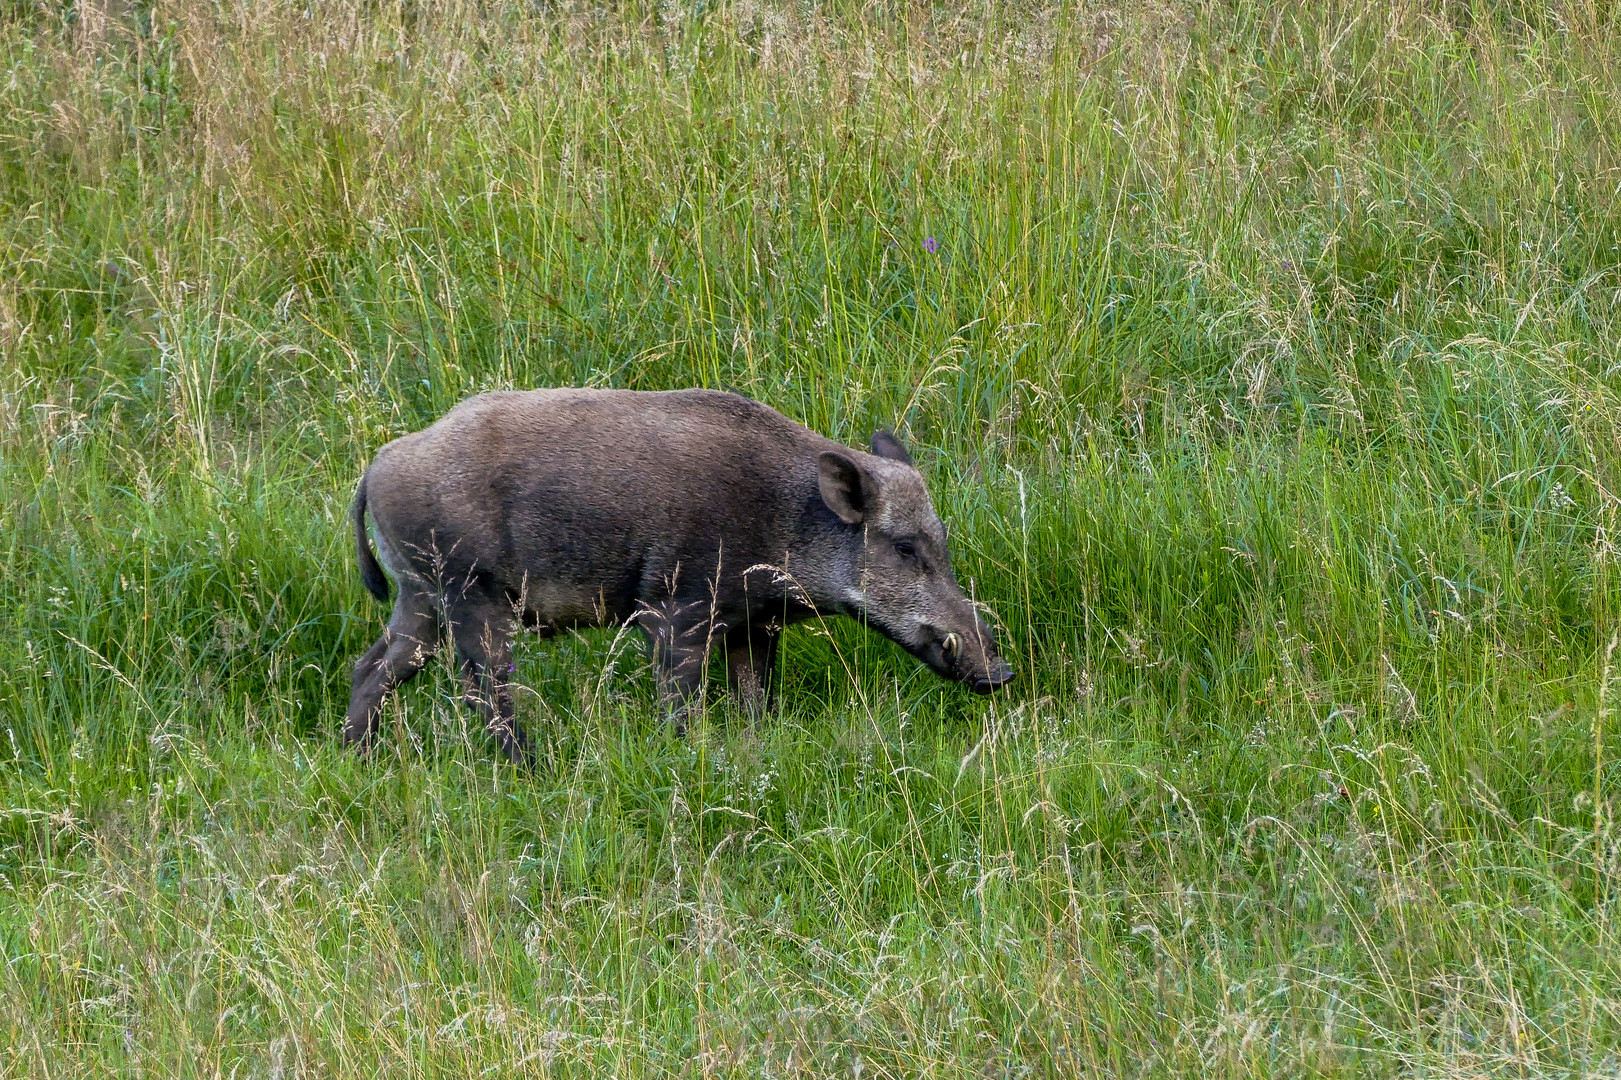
(1263, 360)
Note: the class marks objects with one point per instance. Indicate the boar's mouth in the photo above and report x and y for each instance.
(972, 662)
(995, 680)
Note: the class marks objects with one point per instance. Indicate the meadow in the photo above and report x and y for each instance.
(1262, 358)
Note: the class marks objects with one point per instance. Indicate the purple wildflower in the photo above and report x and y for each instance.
(931, 245)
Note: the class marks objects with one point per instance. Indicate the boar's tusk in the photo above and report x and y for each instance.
(951, 644)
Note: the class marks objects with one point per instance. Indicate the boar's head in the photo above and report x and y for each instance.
(900, 581)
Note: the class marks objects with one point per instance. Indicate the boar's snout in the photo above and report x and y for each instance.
(997, 679)
(971, 659)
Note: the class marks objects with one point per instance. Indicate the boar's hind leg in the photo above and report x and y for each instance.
(751, 662)
(395, 658)
(484, 644)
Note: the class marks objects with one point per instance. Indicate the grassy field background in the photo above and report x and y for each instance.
(1263, 359)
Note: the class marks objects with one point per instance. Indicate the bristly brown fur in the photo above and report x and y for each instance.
(706, 518)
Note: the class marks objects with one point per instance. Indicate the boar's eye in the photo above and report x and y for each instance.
(905, 549)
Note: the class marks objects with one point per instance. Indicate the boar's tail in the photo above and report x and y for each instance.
(370, 572)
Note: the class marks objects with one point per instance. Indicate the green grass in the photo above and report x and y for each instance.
(1267, 371)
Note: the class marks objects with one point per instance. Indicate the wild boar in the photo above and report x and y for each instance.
(706, 518)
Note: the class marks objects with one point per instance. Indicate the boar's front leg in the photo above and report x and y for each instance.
(751, 662)
(484, 646)
(678, 637)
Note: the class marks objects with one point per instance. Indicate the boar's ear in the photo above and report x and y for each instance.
(846, 487)
(885, 445)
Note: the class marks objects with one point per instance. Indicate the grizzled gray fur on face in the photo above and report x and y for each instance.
(709, 520)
